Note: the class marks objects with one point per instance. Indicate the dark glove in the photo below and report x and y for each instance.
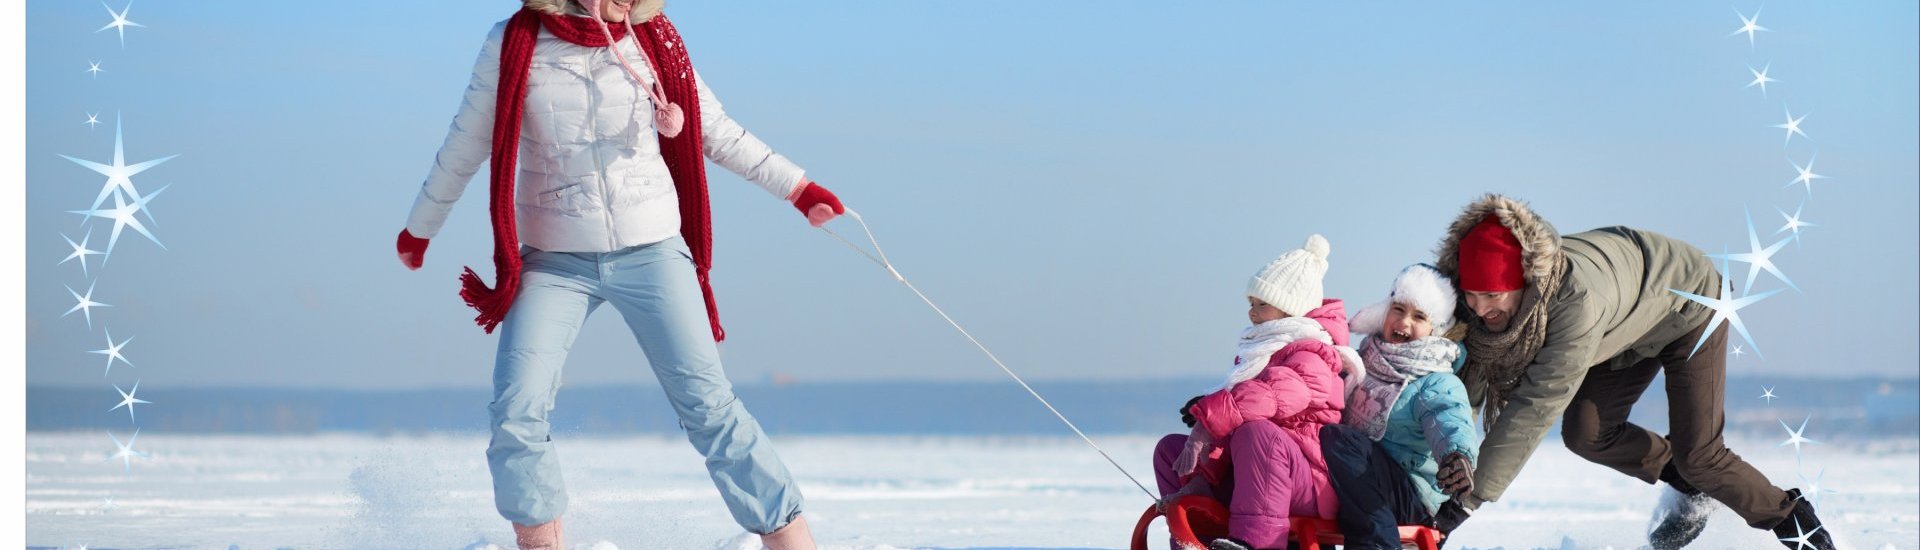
(413, 250)
(1456, 474)
(1186, 411)
(1449, 517)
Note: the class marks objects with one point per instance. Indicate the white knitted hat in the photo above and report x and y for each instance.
(1419, 285)
(1292, 282)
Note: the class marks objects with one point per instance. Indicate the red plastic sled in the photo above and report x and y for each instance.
(1313, 532)
(1195, 520)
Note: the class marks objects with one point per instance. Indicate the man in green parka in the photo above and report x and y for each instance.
(1576, 327)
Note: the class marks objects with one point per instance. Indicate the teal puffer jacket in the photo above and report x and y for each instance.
(1429, 421)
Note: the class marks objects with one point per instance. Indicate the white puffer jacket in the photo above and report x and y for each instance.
(591, 178)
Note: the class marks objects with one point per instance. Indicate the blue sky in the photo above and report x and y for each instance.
(1086, 186)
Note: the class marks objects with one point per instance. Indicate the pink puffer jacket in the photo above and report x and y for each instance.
(1301, 390)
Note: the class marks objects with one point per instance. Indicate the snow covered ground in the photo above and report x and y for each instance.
(361, 491)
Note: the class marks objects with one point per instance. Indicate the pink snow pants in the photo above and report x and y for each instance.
(1269, 482)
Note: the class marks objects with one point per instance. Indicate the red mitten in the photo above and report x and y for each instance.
(413, 250)
(819, 204)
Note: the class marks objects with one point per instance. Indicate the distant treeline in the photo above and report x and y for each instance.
(1839, 407)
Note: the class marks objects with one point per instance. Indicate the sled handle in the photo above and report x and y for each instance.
(1179, 525)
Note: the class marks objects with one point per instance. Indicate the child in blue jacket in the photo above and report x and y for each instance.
(1406, 440)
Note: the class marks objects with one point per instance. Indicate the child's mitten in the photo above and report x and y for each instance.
(1456, 474)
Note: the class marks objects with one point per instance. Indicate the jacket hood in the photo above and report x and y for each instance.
(643, 10)
(1332, 316)
(1539, 241)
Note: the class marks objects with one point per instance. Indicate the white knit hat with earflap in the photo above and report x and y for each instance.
(1293, 281)
(1419, 285)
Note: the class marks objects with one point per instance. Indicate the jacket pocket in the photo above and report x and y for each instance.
(571, 196)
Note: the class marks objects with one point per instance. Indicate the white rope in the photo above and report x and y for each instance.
(882, 260)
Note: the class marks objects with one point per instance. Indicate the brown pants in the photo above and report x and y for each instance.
(1596, 427)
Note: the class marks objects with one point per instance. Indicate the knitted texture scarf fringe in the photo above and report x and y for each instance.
(682, 153)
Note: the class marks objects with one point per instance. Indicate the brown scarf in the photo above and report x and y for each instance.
(1497, 360)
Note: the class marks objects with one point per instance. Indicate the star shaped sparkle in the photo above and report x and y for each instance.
(1737, 351)
(93, 119)
(80, 251)
(127, 399)
(122, 215)
(85, 304)
(1794, 223)
(121, 23)
(140, 202)
(119, 174)
(126, 454)
(1760, 78)
(1805, 540)
(1766, 392)
(113, 352)
(1792, 126)
(1812, 494)
(1796, 437)
(1726, 310)
(1749, 26)
(93, 68)
(108, 506)
(1759, 259)
(1806, 176)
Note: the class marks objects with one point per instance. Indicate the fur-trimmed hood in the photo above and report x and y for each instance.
(1539, 241)
(643, 10)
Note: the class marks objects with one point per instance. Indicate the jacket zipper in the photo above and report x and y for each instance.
(593, 144)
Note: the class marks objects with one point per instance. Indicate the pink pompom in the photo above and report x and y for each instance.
(668, 120)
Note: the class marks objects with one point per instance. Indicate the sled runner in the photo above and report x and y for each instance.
(1195, 520)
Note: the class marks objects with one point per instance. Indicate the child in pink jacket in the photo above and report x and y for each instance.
(1255, 444)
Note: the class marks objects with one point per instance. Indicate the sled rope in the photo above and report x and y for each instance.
(882, 260)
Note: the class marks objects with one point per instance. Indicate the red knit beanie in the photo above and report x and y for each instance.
(1490, 259)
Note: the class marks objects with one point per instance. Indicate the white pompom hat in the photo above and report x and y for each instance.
(1292, 282)
(1419, 285)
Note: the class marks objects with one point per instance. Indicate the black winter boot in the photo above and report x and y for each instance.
(1802, 530)
(1681, 515)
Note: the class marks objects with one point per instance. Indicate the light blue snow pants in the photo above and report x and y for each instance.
(656, 291)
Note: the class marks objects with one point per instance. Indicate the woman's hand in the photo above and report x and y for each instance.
(817, 203)
(413, 250)
(1199, 445)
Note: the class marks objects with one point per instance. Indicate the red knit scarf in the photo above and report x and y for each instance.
(682, 154)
